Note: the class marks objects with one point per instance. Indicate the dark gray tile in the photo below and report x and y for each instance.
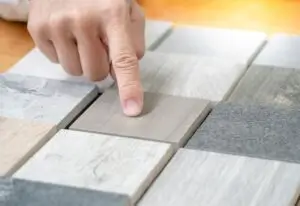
(282, 50)
(6, 192)
(268, 85)
(251, 130)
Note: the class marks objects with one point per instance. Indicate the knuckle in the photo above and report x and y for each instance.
(125, 63)
(58, 21)
(36, 28)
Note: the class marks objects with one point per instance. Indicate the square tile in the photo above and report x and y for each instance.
(19, 140)
(155, 31)
(251, 130)
(109, 165)
(282, 50)
(268, 85)
(196, 178)
(43, 100)
(165, 118)
(226, 43)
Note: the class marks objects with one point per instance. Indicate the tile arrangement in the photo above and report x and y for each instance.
(217, 128)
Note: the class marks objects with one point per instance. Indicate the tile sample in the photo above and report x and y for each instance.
(19, 140)
(155, 31)
(268, 85)
(226, 43)
(108, 164)
(165, 118)
(251, 130)
(6, 192)
(183, 75)
(198, 178)
(282, 50)
(43, 100)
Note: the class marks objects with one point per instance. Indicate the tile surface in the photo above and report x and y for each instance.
(6, 192)
(19, 140)
(155, 31)
(197, 178)
(108, 164)
(233, 44)
(165, 118)
(202, 77)
(282, 50)
(269, 85)
(252, 130)
(43, 100)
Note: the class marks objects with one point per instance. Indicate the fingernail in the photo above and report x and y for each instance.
(132, 107)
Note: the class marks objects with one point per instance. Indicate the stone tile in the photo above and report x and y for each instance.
(251, 130)
(282, 50)
(109, 165)
(226, 43)
(268, 85)
(210, 78)
(155, 31)
(43, 100)
(196, 178)
(6, 192)
(165, 118)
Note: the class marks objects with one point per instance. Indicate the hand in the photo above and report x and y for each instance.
(94, 38)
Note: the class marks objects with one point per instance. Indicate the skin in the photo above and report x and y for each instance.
(94, 38)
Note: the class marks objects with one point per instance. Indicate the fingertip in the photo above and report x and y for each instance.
(133, 105)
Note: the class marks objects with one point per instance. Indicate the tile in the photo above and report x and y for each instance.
(19, 140)
(251, 130)
(155, 31)
(268, 85)
(210, 78)
(6, 192)
(282, 50)
(197, 178)
(43, 100)
(165, 118)
(226, 43)
(101, 163)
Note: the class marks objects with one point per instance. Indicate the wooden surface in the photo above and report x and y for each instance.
(43, 100)
(197, 178)
(268, 85)
(165, 118)
(19, 140)
(106, 164)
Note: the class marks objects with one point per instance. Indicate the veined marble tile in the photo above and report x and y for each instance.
(43, 100)
(226, 43)
(197, 178)
(110, 165)
(155, 31)
(165, 118)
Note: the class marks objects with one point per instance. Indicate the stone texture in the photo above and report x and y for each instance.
(43, 100)
(252, 130)
(226, 43)
(6, 192)
(155, 31)
(165, 118)
(197, 178)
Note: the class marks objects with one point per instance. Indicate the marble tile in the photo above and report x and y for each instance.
(251, 130)
(196, 178)
(43, 100)
(282, 50)
(19, 140)
(210, 78)
(102, 163)
(268, 85)
(155, 31)
(226, 43)
(165, 118)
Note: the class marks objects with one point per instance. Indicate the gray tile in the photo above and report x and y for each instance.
(43, 100)
(251, 130)
(155, 31)
(165, 118)
(268, 85)
(6, 192)
(282, 50)
(233, 44)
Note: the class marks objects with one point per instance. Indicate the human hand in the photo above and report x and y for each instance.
(94, 38)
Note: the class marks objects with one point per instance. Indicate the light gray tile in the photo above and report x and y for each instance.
(268, 85)
(43, 100)
(107, 164)
(252, 130)
(226, 43)
(210, 78)
(282, 50)
(197, 178)
(165, 118)
(155, 31)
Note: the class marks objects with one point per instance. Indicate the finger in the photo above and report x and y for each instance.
(125, 63)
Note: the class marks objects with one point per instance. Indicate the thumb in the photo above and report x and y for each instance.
(125, 64)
